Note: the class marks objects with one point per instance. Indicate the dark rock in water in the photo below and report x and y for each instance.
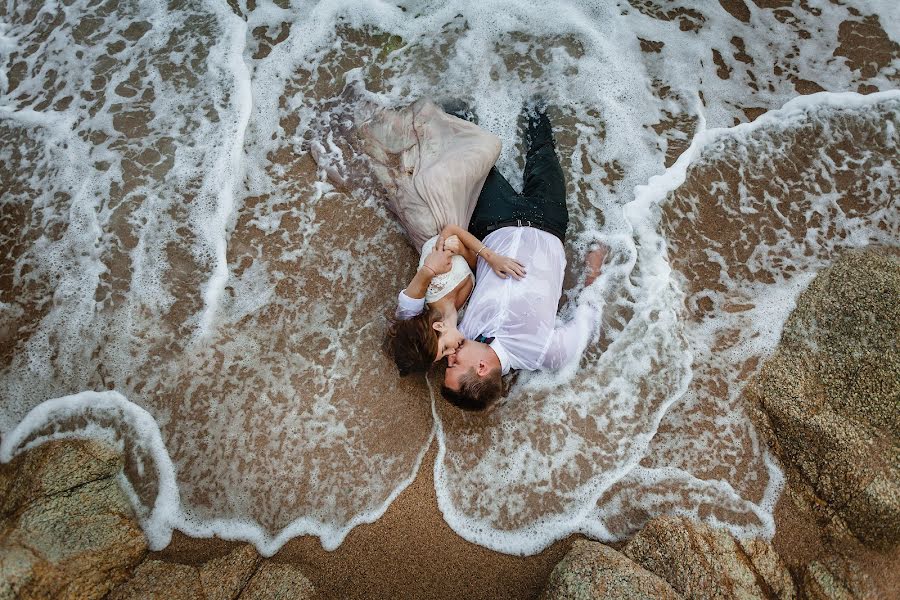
(69, 531)
(278, 581)
(831, 393)
(700, 562)
(592, 571)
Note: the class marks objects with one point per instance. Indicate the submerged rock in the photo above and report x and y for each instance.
(68, 529)
(592, 571)
(831, 392)
(700, 562)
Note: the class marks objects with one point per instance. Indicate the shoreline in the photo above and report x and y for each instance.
(410, 552)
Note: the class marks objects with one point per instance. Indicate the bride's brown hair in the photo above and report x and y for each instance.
(413, 343)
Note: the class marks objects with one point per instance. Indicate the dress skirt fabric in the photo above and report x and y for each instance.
(432, 165)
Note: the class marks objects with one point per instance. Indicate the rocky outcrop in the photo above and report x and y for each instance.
(67, 529)
(672, 557)
(592, 571)
(835, 579)
(222, 578)
(701, 562)
(278, 581)
(830, 393)
(159, 579)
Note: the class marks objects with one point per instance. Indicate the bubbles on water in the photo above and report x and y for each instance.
(167, 236)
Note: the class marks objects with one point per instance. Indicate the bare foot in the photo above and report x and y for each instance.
(594, 262)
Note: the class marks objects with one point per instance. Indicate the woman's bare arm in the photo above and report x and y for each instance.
(502, 265)
(470, 243)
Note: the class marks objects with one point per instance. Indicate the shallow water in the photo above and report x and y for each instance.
(167, 235)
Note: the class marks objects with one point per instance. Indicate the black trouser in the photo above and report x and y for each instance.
(543, 198)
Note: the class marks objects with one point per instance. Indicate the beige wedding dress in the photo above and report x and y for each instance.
(433, 165)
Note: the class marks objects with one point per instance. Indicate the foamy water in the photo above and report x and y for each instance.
(167, 236)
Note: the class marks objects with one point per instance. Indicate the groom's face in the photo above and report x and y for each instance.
(467, 357)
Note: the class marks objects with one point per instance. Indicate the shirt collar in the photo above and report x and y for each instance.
(502, 354)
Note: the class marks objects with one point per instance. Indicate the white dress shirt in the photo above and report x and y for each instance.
(521, 314)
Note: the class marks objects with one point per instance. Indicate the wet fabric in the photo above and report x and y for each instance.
(432, 165)
(444, 283)
(543, 197)
(520, 314)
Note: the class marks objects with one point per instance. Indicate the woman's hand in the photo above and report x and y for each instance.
(438, 261)
(505, 266)
(453, 244)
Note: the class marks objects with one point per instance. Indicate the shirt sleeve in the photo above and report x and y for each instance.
(568, 342)
(407, 307)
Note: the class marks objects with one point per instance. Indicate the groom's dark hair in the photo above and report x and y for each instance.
(413, 343)
(475, 393)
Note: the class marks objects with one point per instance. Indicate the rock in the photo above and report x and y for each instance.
(223, 578)
(830, 393)
(700, 562)
(837, 578)
(820, 584)
(54, 467)
(592, 571)
(218, 579)
(16, 567)
(69, 529)
(69, 532)
(274, 581)
(159, 579)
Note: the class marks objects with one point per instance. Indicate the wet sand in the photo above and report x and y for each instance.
(410, 552)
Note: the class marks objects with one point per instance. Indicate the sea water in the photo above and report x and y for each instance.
(180, 277)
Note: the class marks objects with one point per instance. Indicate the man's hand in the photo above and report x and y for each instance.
(438, 260)
(593, 263)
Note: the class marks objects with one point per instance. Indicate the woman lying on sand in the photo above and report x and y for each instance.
(433, 166)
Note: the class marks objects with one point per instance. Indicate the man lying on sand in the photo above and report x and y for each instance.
(510, 322)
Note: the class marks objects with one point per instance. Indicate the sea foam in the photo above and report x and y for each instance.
(170, 238)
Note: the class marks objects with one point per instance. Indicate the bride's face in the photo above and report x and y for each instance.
(449, 337)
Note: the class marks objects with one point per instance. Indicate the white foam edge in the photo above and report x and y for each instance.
(216, 228)
(167, 513)
(536, 537)
(658, 187)
(595, 527)
(8, 43)
(59, 123)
